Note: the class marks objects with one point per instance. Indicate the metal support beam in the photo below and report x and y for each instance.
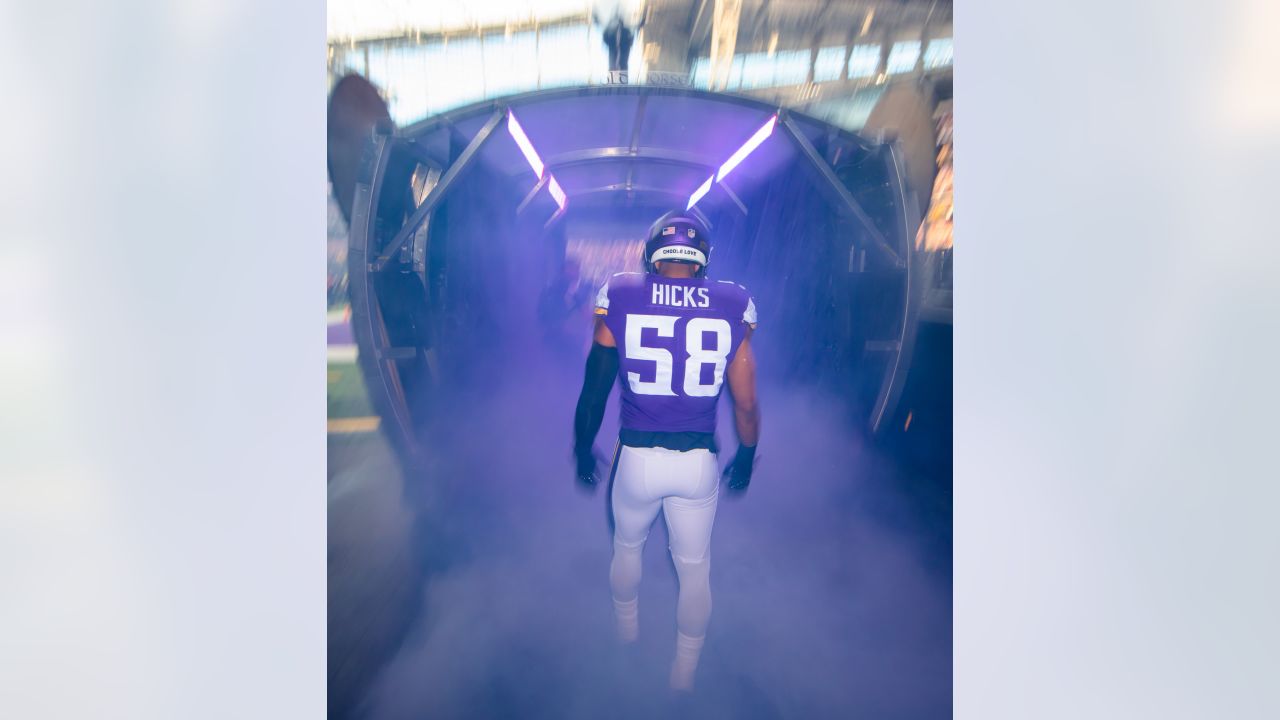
(673, 157)
(697, 212)
(559, 213)
(638, 123)
(447, 181)
(732, 196)
(635, 135)
(835, 186)
(909, 216)
(382, 377)
(542, 182)
(621, 187)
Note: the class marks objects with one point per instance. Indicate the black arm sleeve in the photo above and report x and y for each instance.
(602, 371)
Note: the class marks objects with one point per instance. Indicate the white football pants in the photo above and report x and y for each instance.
(684, 486)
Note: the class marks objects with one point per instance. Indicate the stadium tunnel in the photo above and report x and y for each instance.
(459, 221)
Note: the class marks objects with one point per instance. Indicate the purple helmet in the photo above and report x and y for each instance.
(679, 237)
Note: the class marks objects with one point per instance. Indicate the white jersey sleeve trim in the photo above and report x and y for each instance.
(602, 300)
(749, 315)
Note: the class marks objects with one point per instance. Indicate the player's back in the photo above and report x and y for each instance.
(675, 338)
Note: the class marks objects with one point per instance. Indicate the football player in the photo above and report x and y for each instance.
(672, 337)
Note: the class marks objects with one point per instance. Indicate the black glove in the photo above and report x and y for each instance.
(738, 474)
(585, 460)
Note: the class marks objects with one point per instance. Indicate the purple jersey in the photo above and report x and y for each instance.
(675, 338)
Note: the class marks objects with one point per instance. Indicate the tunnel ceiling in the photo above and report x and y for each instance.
(638, 140)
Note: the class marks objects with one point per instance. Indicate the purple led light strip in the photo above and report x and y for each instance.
(535, 162)
(734, 160)
(697, 194)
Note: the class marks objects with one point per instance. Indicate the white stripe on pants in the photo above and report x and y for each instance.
(684, 485)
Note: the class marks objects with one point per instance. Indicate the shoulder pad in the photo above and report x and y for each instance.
(626, 279)
(739, 285)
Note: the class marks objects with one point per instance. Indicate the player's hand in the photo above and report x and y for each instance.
(585, 472)
(737, 474)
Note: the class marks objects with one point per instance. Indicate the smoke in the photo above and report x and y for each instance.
(831, 587)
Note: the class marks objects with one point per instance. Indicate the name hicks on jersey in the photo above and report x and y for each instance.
(675, 296)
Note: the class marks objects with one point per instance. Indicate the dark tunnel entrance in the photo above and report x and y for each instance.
(454, 238)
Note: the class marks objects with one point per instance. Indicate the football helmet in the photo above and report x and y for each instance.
(681, 237)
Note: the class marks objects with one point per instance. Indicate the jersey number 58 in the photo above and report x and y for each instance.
(695, 333)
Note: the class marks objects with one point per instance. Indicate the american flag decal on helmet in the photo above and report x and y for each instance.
(669, 230)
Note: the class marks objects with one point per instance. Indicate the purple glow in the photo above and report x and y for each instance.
(554, 188)
(535, 162)
(526, 147)
(697, 194)
(746, 148)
